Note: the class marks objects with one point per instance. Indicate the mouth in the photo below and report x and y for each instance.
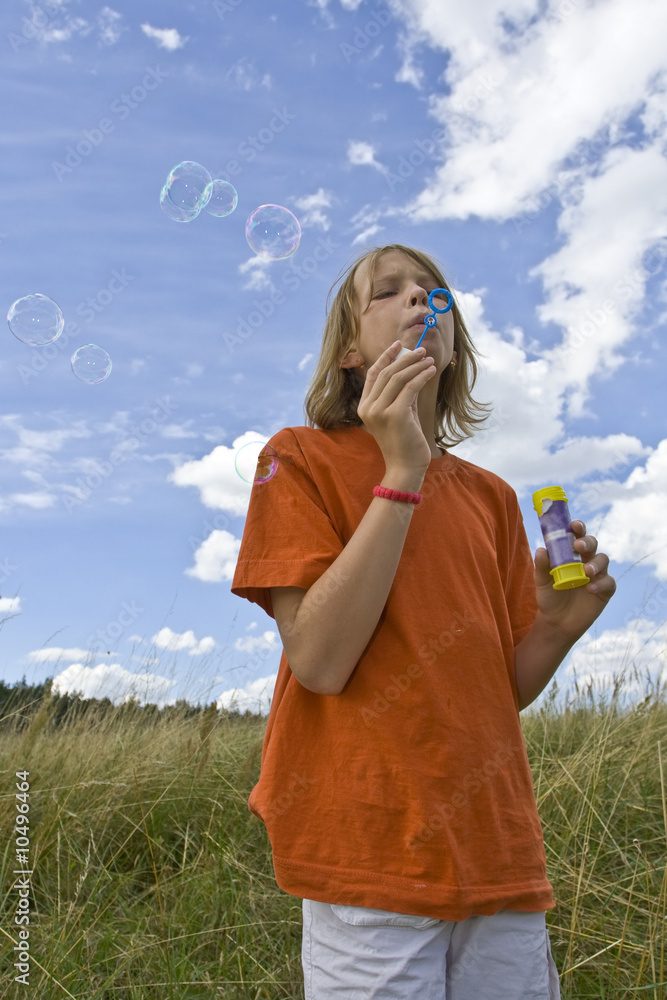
(419, 322)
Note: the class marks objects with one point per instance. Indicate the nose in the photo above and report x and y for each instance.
(417, 295)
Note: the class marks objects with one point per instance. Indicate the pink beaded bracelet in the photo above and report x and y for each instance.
(383, 491)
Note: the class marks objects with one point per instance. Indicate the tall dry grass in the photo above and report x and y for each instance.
(153, 880)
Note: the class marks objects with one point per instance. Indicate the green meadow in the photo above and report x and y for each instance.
(151, 878)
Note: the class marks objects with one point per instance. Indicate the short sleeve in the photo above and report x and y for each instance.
(288, 539)
(520, 588)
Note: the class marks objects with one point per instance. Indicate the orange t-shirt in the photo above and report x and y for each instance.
(410, 790)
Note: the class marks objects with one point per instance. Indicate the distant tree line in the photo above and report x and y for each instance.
(20, 702)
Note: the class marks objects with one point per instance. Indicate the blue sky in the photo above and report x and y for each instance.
(521, 143)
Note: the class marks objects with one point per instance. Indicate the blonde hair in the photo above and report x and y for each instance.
(333, 393)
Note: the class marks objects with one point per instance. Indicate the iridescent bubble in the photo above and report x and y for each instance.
(223, 198)
(173, 211)
(256, 462)
(91, 364)
(36, 320)
(188, 187)
(272, 231)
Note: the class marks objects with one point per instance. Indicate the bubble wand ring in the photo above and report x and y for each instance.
(431, 319)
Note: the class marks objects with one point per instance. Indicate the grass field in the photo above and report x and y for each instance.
(151, 878)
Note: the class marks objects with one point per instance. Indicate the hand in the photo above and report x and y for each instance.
(388, 406)
(574, 611)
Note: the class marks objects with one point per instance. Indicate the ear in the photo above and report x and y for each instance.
(352, 359)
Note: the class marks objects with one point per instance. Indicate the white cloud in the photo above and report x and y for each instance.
(51, 654)
(521, 101)
(50, 33)
(166, 38)
(110, 680)
(215, 559)
(311, 206)
(366, 219)
(523, 440)
(594, 283)
(37, 501)
(257, 269)
(176, 642)
(35, 447)
(178, 430)
(634, 528)
(10, 605)
(254, 697)
(267, 642)
(109, 24)
(245, 76)
(362, 154)
(217, 477)
(632, 654)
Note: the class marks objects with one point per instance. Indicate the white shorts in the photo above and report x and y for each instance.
(356, 953)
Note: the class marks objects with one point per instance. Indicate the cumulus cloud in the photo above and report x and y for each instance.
(224, 477)
(525, 92)
(179, 641)
(215, 559)
(632, 655)
(165, 38)
(634, 528)
(110, 680)
(524, 439)
(255, 696)
(536, 115)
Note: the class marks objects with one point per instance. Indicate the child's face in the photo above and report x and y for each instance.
(397, 309)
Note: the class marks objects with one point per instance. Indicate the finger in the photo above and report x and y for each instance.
(388, 357)
(598, 566)
(393, 378)
(578, 528)
(385, 359)
(586, 546)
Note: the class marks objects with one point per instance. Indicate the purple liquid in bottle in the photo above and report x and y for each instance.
(567, 568)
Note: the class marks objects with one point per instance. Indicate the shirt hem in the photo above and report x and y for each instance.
(399, 895)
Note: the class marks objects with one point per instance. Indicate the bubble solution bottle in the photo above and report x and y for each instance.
(567, 568)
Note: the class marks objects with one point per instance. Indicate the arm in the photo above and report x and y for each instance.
(335, 619)
(562, 617)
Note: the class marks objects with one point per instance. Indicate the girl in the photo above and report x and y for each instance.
(395, 784)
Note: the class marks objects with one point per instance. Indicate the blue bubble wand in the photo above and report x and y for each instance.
(431, 319)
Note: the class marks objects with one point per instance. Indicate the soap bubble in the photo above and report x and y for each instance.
(173, 211)
(91, 364)
(36, 320)
(256, 462)
(187, 190)
(272, 231)
(223, 199)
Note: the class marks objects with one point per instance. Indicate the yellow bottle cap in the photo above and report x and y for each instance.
(548, 493)
(569, 575)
